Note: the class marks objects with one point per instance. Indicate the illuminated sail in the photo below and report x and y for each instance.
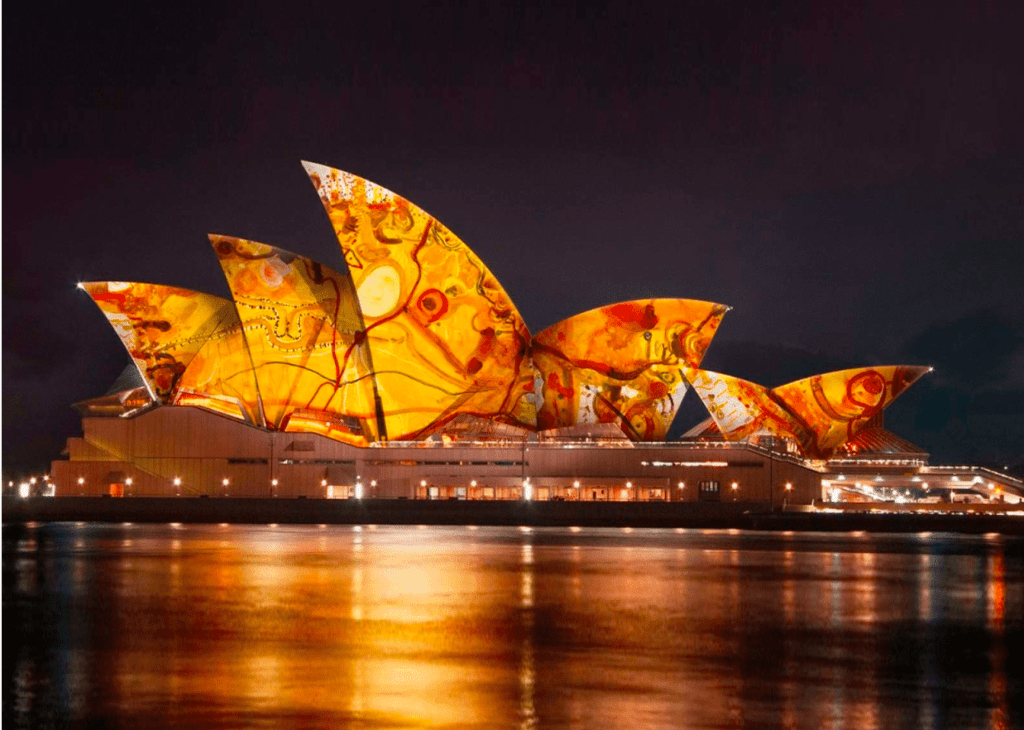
(162, 327)
(220, 377)
(835, 406)
(304, 336)
(444, 336)
(741, 408)
(623, 364)
(819, 413)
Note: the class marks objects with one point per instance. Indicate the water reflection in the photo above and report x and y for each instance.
(997, 679)
(322, 626)
(527, 669)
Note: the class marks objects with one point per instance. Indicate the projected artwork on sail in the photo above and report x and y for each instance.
(162, 327)
(623, 364)
(819, 413)
(443, 334)
(305, 338)
(187, 345)
(220, 377)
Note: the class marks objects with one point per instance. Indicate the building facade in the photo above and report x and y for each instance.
(188, 451)
(411, 375)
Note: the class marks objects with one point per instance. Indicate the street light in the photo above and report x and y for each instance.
(735, 486)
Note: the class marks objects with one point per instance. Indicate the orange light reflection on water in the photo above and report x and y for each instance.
(433, 626)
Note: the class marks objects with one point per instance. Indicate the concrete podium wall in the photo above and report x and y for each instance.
(142, 456)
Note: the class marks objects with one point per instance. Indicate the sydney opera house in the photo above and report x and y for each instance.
(411, 375)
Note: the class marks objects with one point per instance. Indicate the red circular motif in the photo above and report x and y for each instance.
(433, 303)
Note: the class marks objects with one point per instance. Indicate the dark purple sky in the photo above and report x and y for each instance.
(850, 181)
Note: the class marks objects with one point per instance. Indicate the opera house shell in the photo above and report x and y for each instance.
(411, 373)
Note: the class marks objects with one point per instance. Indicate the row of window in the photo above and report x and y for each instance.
(264, 462)
(343, 462)
(711, 464)
(412, 462)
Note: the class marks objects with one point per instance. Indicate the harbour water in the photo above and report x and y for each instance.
(230, 626)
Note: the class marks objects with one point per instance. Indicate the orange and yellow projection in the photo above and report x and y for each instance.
(819, 413)
(623, 364)
(187, 345)
(443, 335)
(220, 377)
(418, 335)
(162, 327)
(305, 338)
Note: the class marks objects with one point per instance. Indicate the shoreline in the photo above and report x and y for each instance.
(707, 515)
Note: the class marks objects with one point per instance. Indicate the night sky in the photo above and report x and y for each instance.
(850, 181)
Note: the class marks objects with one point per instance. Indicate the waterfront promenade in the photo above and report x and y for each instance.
(707, 515)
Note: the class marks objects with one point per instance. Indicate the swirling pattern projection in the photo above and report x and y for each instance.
(819, 413)
(162, 327)
(623, 364)
(304, 335)
(418, 336)
(220, 377)
(444, 336)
